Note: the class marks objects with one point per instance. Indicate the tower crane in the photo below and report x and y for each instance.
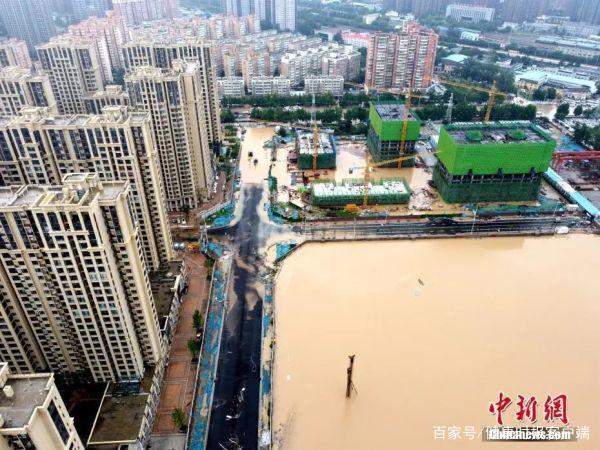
(492, 92)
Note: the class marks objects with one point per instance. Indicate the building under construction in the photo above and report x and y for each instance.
(492, 162)
(305, 147)
(352, 192)
(385, 132)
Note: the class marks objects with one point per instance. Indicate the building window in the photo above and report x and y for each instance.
(58, 422)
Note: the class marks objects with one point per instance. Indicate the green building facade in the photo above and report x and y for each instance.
(492, 162)
(385, 132)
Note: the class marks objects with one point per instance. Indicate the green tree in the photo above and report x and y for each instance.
(193, 347)
(198, 321)
(562, 112)
(578, 110)
(283, 132)
(227, 116)
(178, 418)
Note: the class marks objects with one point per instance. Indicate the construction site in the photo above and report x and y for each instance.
(492, 162)
(393, 132)
(352, 192)
(315, 150)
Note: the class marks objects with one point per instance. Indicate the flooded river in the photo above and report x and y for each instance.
(439, 329)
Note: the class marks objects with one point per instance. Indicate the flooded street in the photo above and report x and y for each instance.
(439, 329)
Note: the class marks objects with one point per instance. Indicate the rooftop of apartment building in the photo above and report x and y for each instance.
(78, 190)
(121, 412)
(393, 111)
(110, 115)
(163, 283)
(109, 90)
(496, 133)
(21, 395)
(15, 72)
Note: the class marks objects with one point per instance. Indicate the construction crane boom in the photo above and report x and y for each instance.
(492, 92)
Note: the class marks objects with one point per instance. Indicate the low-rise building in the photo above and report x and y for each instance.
(231, 87)
(451, 62)
(270, 86)
(470, 13)
(324, 84)
(567, 83)
(33, 414)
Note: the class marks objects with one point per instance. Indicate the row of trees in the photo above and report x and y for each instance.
(464, 112)
(271, 101)
(587, 136)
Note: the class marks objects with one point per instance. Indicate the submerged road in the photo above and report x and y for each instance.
(234, 417)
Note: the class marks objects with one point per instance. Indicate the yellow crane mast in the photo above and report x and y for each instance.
(492, 92)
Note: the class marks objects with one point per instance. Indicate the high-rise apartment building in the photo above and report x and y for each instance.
(20, 88)
(82, 9)
(401, 60)
(180, 128)
(71, 263)
(285, 14)
(135, 12)
(29, 20)
(331, 59)
(75, 69)
(163, 53)
(521, 11)
(112, 95)
(585, 11)
(39, 148)
(14, 52)
(34, 414)
(110, 33)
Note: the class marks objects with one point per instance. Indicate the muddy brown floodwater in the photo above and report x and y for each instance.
(439, 328)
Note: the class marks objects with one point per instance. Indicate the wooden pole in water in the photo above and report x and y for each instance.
(349, 370)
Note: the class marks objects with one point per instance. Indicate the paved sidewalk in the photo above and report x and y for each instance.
(178, 384)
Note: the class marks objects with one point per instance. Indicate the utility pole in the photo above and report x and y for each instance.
(349, 371)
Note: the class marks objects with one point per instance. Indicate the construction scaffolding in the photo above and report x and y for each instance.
(351, 192)
(326, 151)
(384, 138)
(492, 162)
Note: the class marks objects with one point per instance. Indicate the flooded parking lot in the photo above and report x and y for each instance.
(439, 329)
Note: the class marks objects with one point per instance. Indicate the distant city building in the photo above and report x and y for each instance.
(74, 281)
(566, 82)
(82, 9)
(324, 84)
(231, 87)
(285, 14)
(20, 88)
(369, 19)
(585, 11)
(108, 32)
(34, 414)
(28, 20)
(142, 52)
(135, 12)
(180, 129)
(42, 149)
(402, 60)
(14, 52)
(521, 11)
(112, 95)
(451, 62)
(470, 13)
(270, 86)
(75, 69)
(331, 60)
(358, 40)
